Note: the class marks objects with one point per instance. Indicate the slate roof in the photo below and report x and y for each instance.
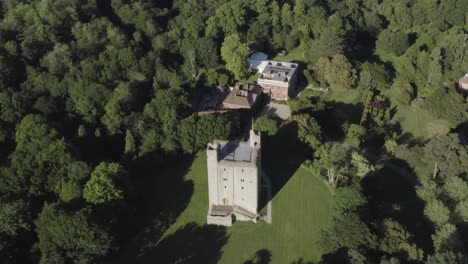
(242, 96)
(277, 71)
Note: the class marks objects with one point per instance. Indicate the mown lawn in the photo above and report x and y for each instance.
(420, 123)
(296, 55)
(300, 210)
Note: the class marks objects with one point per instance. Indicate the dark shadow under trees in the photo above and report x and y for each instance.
(391, 194)
(189, 244)
(262, 256)
(162, 196)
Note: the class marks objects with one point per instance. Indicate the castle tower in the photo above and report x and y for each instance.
(233, 180)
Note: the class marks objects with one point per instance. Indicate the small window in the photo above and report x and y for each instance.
(224, 169)
(224, 186)
(242, 170)
(250, 181)
(242, 188)
(242, 199)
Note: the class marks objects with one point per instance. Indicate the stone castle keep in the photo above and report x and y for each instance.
(233, 180)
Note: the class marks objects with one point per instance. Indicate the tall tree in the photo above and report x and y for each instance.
(103, 185)
(70, 236)
(337, 72)
(447, 155)
(235, 53)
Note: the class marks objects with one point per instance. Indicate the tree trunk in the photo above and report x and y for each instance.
(435, 171)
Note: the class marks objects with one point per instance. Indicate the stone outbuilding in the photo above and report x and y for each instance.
(234, 170)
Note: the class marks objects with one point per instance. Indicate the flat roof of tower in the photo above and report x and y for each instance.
(235, 151)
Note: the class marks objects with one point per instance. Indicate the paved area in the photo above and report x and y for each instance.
(274, 109)
(265, 179)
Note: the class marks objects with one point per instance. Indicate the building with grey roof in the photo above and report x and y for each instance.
(256, 59)
(278, 78)
(233, 180)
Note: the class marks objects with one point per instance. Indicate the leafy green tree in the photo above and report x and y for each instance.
(447, 104)
(188, 134)
(429, 191)
(461, 209)
(13, 219)
(402, 92)
(161, 117)
(70, 191)
(59, 60)
(236, 13)
(333, 161)
(330, 42)
(70, 236)
(235, 54)
(456, 189)
(210, 127)
(373, 74)
(130, 146)
(361, 164)
(119, 105)
(103, 187)
(437, 212)
(447, 257)
(447, 238)
(267, 125)
(355, 135)
(347, 199)
(308, 130)
(448, 156)
(392, 42)
(348, 232)
(396, 241)
(336, 72)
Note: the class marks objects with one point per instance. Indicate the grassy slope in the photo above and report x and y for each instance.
(420, 123)
(300, 209)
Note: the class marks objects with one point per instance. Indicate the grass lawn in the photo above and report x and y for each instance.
(420, 123)
(300, 209)
(296, 55)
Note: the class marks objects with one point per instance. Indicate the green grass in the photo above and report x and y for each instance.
(296, 54)
(420, 123)
(252, 78)
(300, 210)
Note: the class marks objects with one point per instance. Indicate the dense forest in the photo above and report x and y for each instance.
(92, 93)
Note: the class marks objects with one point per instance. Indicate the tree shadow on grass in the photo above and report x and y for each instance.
(262, 256)
(335, 115)
(189, 244)
(282, 155)
(391, 194)
(162, 196)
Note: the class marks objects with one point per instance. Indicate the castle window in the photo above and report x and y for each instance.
(224, 169)
(225, 179)
(224, 186)
(242, 188)
(242, 170)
